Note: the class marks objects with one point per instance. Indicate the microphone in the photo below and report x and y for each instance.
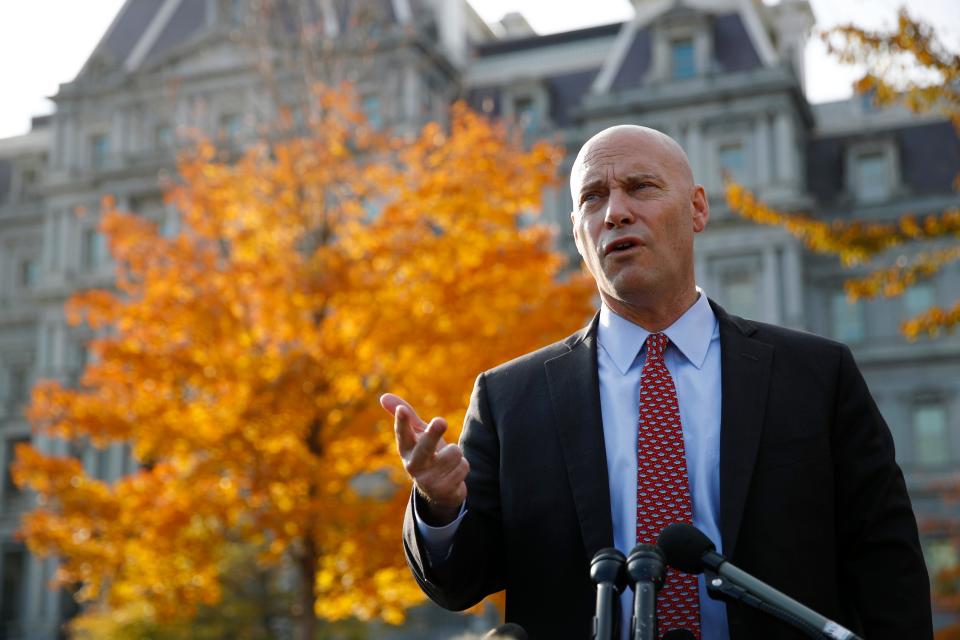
(607, 572)
(508, 631)
(679, 634)
(646, 570)
(690, 551)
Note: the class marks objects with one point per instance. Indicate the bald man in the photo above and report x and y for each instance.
(663, 408)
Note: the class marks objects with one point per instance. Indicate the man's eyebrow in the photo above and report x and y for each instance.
(593, 184)
(639, 177)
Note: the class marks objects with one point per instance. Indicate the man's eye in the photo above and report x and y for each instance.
(587, 197)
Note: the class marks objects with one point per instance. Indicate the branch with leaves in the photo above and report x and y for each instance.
(908, 66)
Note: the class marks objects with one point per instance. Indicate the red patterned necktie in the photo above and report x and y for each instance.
(663, 493)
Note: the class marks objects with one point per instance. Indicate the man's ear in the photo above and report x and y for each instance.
(576, 236)
(700, 208)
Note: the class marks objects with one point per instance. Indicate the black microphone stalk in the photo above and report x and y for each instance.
(608, 573)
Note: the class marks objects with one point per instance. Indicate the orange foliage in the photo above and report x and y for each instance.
(912, 67)
(242, 359)
(909, 65)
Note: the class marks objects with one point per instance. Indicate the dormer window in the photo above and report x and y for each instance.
(682, 43)
(873, 171)
(526, 113)
(527, 105)
(871, 179)
(682, 59)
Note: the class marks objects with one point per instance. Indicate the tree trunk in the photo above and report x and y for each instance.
(306, 628)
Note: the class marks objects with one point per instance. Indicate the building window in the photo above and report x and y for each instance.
(163, 136)
(230, 126)
(94, 248)
(738, 288)
(19, 386)
(28, 182)
(99, 150)
(526, 113)
(13, 585)
(930, 438)
(373, 110)
(733, 162)
(236, 10)
(27, 273)
(682, 62)
(10, 489)
(846, 318)
(917, 299)
(871, 182)
(169, 225)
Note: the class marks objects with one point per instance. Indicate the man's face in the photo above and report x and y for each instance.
(636, 210)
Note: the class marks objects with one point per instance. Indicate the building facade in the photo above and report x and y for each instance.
(723, 77)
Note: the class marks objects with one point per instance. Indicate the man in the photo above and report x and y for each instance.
(664, 408)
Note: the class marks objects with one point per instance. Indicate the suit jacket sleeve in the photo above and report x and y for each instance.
(474, 567)
(881, 563)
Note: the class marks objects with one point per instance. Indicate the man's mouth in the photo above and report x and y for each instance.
(617, 246)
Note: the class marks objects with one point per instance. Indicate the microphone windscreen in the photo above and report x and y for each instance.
(607, 565)
(684, 545)
(679, 634)
(508, 631)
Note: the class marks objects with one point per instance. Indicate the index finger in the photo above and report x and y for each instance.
(406, 440)
(392, 402)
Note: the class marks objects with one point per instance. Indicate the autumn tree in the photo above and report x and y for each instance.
(907, 66)
(242, 360)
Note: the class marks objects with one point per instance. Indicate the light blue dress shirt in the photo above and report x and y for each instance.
(693, 360)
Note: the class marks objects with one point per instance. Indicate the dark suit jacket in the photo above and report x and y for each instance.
(811, 499)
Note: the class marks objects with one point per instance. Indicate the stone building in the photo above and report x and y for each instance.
(723, 77)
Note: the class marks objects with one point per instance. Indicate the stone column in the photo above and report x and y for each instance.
(71, 135)
(793, 285)
(762, 152)
(786, 151)
(49, 246)
(770, 302)
(695, 151)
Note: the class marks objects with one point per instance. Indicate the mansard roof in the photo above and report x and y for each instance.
(128, 28)
(146, 30)
(187, 19)
(552, 39)
(733, 49)
(929, 154)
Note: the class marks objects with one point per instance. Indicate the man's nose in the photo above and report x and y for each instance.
(618, 209)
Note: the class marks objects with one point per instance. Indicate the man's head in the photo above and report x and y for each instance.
(636, 210)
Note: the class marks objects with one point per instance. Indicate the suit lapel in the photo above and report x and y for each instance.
(744, 379)
(575, 394)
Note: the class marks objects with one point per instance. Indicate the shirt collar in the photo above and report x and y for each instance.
(690, 334)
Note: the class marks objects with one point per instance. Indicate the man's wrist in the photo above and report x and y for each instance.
(436, 515)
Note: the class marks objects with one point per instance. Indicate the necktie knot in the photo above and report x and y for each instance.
(656, 344)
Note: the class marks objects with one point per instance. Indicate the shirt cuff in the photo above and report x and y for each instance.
(438, 540)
